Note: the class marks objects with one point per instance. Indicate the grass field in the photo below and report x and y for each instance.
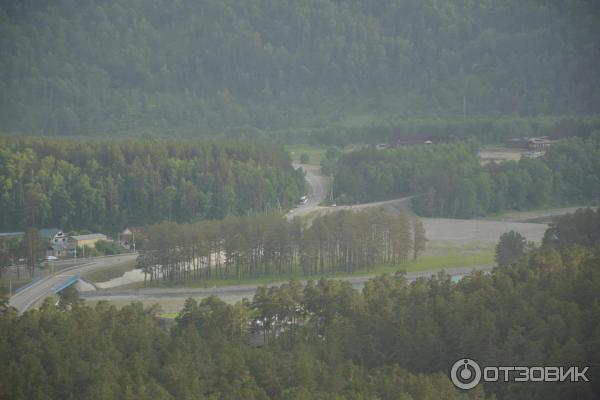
(314, 153)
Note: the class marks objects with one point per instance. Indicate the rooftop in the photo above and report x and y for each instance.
(11, 234)
(48, 233)
(91, 236)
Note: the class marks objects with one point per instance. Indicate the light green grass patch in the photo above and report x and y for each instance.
(170, 315)
(425, 263)
(315, 154)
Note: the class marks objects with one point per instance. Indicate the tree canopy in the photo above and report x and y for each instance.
(510, 248)
(255, 246)
(109, 184)
(448, 180)
(188, 67)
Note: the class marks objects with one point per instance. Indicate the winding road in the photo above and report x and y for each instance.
(317, 192)
(319, 186)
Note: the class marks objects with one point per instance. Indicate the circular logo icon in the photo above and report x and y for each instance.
(465, 374)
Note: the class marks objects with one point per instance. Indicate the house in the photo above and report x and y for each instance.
(53, 235)
(537, 144)
(87, 240)
(56, 242)
(128, 236)
(532, 144)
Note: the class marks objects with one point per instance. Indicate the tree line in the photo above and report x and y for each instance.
(253, 246)
(394, 339)
(27, 249)
(484, 129)
(448, 180)
(121, 66)
(109, 184)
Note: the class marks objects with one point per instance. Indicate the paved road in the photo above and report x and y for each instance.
(247, 290)
(317, 193)
(39, 290)
(319, 190)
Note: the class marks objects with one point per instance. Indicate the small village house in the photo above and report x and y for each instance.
(87, 240)
(127, 237)
(56, 240)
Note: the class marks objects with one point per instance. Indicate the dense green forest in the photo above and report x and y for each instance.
(392, 340)
(186, 67)
(109, 184)
(449, 181)
(256, 246)
(102, 353)
(579, 228)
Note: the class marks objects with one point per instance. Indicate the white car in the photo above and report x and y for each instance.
(51, 258)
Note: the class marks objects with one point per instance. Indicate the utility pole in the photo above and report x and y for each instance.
(133, 238)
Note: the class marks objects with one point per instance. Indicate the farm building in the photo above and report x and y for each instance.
(530, 143)
(87, 240)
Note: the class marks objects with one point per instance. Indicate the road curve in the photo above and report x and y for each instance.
(30, 295)
(318, 188)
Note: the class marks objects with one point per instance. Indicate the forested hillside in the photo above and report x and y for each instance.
(448, 179)
(109, 184)
(325, 340)
(188, 67)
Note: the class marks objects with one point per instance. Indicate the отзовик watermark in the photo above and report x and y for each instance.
(466, 374)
